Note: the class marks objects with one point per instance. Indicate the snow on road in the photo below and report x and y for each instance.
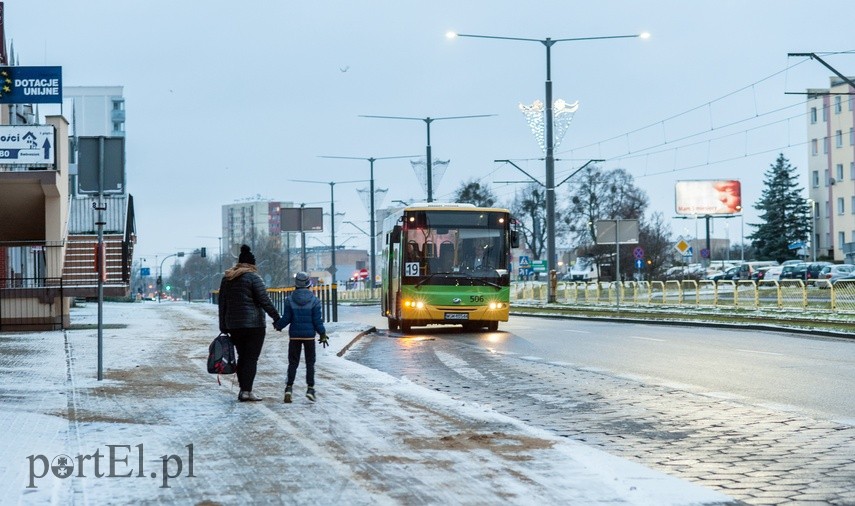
(158, 429)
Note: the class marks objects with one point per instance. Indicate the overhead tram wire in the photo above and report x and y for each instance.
(693, 109)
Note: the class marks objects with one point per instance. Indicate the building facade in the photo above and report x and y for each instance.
(248, 222)
(831, 170)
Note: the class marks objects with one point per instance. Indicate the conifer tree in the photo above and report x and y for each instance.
(784, 211)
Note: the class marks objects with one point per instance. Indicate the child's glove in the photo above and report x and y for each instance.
(278, 325)
(324, 340)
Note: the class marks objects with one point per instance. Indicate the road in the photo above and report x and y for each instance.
(766, 417)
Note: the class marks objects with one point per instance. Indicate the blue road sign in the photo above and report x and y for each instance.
(639, 263)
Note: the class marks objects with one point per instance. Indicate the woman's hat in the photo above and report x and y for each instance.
(246, 256)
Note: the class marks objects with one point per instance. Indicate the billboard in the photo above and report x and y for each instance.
(301, 219)
(620, 231)
(31, 85)
(721, 196)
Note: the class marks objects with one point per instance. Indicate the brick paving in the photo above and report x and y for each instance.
(370, 439)
(751, 453)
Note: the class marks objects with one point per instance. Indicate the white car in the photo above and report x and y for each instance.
(773, 273)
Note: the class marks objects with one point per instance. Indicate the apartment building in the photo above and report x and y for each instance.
(831, 169)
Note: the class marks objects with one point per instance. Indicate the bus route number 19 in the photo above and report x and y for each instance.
(411, 269)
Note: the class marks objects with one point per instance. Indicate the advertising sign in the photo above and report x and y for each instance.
(31, 85)
(708, 197)
(27, 145)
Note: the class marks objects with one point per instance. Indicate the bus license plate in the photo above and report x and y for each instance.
(456, 316)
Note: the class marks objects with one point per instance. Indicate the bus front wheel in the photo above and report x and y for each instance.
(406, 327)
(493, 326)
(393, 323)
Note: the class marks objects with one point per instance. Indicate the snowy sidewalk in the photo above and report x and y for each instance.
(159, 429)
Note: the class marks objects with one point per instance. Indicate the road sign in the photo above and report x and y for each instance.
(705, 253)
(682, 246)
(525, 262)
(638, 252)
(91, 166)
(27, 145)
(639, 263)
(145, 271)
(538, 265)
(796, 245)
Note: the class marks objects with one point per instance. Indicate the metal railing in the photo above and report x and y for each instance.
(327, 294)
(32, 304)
(784, 295)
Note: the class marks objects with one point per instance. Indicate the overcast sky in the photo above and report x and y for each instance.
(229, 100)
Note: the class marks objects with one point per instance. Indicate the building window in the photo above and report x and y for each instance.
(827, 208)
(840, 209)
(814, 147)
(838, 106)
(850, 103)
(852, 136)
(825, 142)
(852, 205)
(816, 179)
(827, 175)
(824, 113)
(852, 171)
(118, 105)
(827, 239)
(839, 172)
(838, 139)
(841, 238)
(812, 115)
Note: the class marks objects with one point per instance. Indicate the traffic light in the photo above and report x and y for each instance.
(203, 252)
(168, 288)
(159, 281)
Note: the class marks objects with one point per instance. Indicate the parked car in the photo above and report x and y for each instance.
(730, 274)
(813, 270)
(772, 273)
(794, 271)
(829, 273)
(846, 281)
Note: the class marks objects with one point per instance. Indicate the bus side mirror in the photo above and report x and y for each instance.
(515, 239)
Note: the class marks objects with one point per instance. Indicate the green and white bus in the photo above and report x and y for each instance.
(446, 264)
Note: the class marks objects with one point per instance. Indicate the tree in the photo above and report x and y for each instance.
(785, 214)
(529, 208)
(472, 192)
(655, 237)
(602, 195)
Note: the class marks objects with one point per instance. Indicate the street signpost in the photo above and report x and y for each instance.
(27, 145)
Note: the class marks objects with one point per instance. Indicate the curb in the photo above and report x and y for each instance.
(355, 339)
(746, 326)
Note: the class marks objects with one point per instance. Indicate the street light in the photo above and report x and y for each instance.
(428, 121)
(550, 158)
(373, 235)
(332, 216)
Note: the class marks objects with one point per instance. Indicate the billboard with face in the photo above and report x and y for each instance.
(723, 196)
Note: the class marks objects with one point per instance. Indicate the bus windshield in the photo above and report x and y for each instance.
(448, 247)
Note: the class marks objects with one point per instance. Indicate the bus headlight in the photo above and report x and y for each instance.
(416, 304)
(497, 305)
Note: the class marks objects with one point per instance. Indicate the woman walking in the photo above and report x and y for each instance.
(243, 301)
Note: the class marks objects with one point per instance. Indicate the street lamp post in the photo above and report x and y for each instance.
(429, 160)
(550, 158)
(332, 184)
(373, 235)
